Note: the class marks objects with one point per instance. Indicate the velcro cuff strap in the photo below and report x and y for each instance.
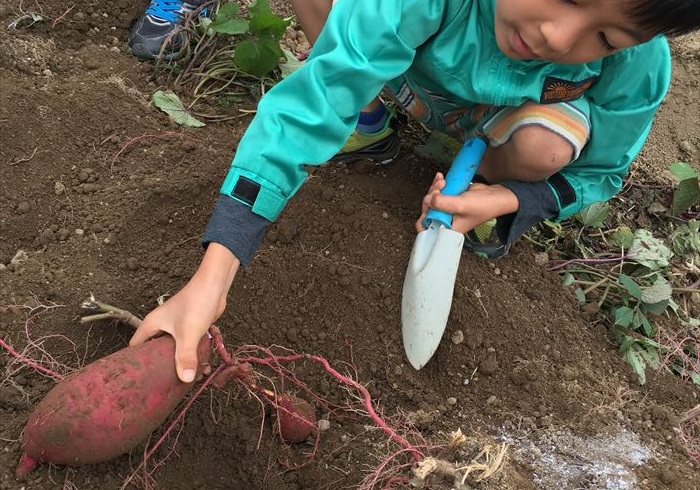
(565, 193)
(245, 187)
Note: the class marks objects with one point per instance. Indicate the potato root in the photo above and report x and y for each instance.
(108, 407)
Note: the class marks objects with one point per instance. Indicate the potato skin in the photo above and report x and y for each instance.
(108, 407)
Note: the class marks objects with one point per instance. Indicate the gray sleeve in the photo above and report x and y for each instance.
(235, 226)
(536, 203)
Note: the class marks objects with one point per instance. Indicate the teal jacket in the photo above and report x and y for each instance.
(449, 47)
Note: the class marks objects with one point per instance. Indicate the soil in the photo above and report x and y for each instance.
(103, 195)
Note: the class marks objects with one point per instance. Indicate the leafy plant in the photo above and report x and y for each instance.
(649, 251)
(290, 64)
(639, 302)
(628, 275)
(257, 36)
(232, 55)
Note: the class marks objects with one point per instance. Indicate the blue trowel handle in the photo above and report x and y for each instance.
(458, 177)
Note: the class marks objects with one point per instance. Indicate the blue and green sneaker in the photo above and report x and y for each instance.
(381, 147)
(158, 29)
(484, 242)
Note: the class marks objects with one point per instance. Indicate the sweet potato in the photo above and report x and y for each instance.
(107, 408)
(296, 418)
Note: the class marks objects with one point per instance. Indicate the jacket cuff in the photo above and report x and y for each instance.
(536, 203)
(235, 226)
(262, 197)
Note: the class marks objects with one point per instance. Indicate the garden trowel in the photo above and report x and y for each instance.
(432, 268)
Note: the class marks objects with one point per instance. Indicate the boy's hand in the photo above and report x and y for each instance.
(477, 205)
(188, 315)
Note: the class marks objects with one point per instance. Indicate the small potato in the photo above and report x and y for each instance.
(296, 419)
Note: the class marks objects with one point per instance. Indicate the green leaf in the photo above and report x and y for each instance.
(687, 194)
(267, 24)
(227, 21)
(594, 215)
(630, 285)
(624, 316)
(684, 373)
(556, 228)
(639, 356)
(685, 241)
(650, 356)
(567, 279)
(290, 64)
(227, 11)
(636, 361)
(170, 103)
(649, 251)
(659, 291)
(691, 322)
(656, 308)
(626, 343)
(228, 100)
(640, 320)
(259, 6)
(622, 237)
(683, 171)
(232, 27)
(257, 57)
(580, 296)
(202, 26)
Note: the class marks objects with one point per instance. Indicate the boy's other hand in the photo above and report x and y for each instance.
(477, 205)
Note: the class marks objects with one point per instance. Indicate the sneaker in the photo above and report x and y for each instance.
(381, 147)
(159, 25)
(483, 241)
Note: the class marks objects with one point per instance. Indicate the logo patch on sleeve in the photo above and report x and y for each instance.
(558, 90)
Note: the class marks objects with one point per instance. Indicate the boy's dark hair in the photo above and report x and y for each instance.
(669, 17)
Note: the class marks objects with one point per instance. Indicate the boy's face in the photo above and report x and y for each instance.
(564, 31)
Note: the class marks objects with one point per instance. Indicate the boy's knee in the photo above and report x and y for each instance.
(539, 152)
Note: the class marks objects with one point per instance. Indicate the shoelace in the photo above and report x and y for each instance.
(168, 10)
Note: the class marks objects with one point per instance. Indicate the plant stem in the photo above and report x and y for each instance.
(595, 285)
(103, 311)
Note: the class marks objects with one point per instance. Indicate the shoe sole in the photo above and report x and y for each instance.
(383, 155)
(145, 55)
(486, 251)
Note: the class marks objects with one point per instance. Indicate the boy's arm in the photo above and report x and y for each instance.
(306, 118)
(233, 235)
(622, 107)
(623, 104)
(303, 120)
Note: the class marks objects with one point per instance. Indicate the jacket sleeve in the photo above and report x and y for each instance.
(623, 103)
(306, 118)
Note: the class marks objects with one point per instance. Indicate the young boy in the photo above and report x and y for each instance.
(563, 91)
